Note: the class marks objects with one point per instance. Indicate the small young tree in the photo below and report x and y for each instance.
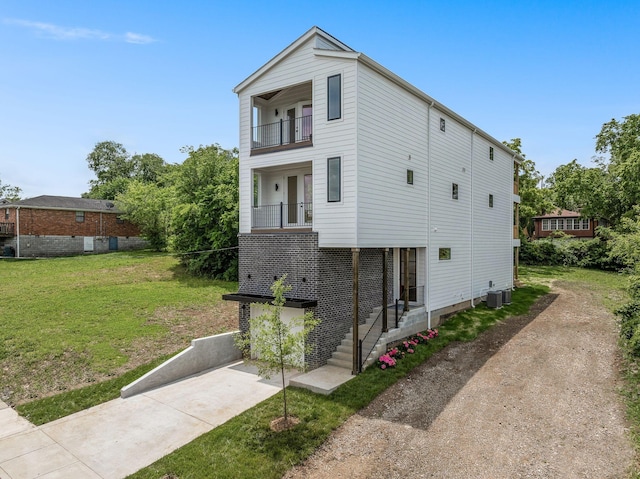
(277, 346)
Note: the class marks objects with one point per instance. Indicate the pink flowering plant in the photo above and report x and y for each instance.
(407, 346)
(386, 361)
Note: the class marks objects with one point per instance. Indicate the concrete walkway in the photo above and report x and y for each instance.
(120, 437)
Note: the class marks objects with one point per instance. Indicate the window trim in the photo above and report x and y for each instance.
(444, 254)
(339, 106)
(330, 160)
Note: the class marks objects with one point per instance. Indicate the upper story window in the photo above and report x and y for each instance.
(490, 201)
(442, 124)
(454, 191)
(333, 180)
(79, 216)
(334, 97)
(491, 153)
(409, 177)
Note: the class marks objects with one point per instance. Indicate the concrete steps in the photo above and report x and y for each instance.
(343, 356)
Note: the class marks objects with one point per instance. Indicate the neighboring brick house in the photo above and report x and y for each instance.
(363, 190)
(62, 226)
(568, 222)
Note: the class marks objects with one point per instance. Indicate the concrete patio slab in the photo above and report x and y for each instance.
(11, 423)
(122, 436)
(323, 380)
(117, 438)
(38, 463)
(21, 444)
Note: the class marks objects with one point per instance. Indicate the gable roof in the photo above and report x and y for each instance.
(46, 202)
(560, 213)
(327, 45)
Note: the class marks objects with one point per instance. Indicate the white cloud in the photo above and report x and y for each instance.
(130, 37)
(65, 33)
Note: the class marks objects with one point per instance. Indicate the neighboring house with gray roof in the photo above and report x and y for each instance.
(62, 226)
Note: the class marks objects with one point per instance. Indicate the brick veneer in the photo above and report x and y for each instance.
(324, 275)
(63, 223)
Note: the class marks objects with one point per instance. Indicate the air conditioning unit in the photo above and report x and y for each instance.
(506, 296)
(494, 299)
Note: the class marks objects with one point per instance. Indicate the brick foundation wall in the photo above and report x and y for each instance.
(32, 246)
(324, 275)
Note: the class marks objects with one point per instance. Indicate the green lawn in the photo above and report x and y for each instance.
(78, 320)
(245, 446)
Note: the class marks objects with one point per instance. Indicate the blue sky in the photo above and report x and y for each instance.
(158, 75)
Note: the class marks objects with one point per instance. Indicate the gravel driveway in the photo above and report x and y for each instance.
(533, 397)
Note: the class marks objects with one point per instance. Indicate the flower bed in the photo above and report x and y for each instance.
(407, 346)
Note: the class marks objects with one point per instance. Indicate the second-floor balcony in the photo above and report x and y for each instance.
(282, 134)
(281, 216)
(7, 229)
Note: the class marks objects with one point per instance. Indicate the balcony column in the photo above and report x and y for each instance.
(385, 290)
(355, 255)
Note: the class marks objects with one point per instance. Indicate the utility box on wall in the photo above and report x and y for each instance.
(494, 299)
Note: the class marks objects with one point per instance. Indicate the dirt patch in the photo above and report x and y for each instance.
(533, 397)
(24, 382)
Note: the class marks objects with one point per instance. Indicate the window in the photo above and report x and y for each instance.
(442, 124)
(119, 220)
(79, 216)
(444, 254)
(491, 153)
(333, 180)
(6, 214)
(545, 225)
(490, 201)
(454, 191)
(256, 189)
(553, 224)
(585, 224)
(334, 102)
(409, 177)
(560, 223)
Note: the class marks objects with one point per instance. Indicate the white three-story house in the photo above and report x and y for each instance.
(362, 189)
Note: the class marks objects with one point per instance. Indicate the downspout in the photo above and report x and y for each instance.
(473, 133)
(18, 232)
(429, 245)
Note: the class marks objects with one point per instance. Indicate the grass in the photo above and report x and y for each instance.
(79, 320)
(246, 447)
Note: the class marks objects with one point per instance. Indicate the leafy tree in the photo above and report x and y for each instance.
(534, 201)
(621, 140)
(278, 346)
(149, 207)
(115, 169)
(205, 220)
(11, 193)
(586, 190)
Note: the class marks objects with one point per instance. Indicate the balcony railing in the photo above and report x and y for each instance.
(293, 215)
(7, 229)
(283, 132)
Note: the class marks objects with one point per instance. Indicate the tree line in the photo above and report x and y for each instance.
(190, 208)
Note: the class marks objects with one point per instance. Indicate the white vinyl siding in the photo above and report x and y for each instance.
(392, 138)
(450, 220)
(334, 222)
(492, 228)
